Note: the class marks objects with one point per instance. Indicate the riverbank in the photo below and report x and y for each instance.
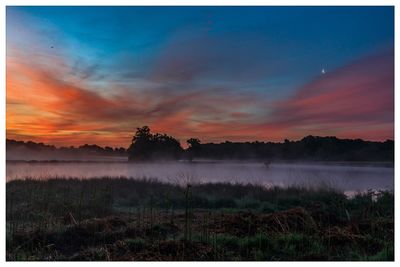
(124, 219)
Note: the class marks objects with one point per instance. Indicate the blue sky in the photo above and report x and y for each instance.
(269, 53)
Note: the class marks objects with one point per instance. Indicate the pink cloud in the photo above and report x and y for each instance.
(355, 101)
(357, 98)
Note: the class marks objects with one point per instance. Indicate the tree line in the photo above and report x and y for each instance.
(83, 149)
(148, 146)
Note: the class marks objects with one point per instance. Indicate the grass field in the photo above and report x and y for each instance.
(124, 219)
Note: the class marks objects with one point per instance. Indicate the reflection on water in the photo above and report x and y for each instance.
(344, 177)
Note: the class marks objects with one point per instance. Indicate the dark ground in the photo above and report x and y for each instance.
(142, 220)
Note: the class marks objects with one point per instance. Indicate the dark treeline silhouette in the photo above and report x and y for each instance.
(310, 148)
(13, 145)
(146, 146)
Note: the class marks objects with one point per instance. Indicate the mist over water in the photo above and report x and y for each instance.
(352, 178)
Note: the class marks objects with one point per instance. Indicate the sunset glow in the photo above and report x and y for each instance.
(95, 74)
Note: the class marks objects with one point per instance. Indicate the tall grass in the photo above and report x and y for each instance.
(150, 220)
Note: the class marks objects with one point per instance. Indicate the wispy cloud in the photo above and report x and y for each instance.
(41, 105)
(187, 89)
(189, 59)
(357, 98)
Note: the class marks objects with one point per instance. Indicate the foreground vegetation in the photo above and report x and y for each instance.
(122, 219)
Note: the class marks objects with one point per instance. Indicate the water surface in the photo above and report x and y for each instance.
(346, 177)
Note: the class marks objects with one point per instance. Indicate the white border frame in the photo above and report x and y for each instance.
(185, 3)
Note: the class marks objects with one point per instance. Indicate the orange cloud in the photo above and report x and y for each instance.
(49, 105)
(43, 105)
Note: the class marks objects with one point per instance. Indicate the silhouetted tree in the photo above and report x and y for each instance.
(193, 143)
(146, 146)
(142, 134)
(141, 147)
(194, 148)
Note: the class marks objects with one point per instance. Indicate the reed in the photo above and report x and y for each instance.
(193, 222)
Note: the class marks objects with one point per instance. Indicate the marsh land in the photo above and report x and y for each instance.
(141, 220)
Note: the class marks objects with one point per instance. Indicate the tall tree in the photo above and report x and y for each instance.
(146, 146)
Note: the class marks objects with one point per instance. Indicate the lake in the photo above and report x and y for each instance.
(346, 177)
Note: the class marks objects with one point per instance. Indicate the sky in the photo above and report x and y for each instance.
(77, 75)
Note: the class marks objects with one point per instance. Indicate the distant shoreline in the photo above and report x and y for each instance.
(206, 161)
